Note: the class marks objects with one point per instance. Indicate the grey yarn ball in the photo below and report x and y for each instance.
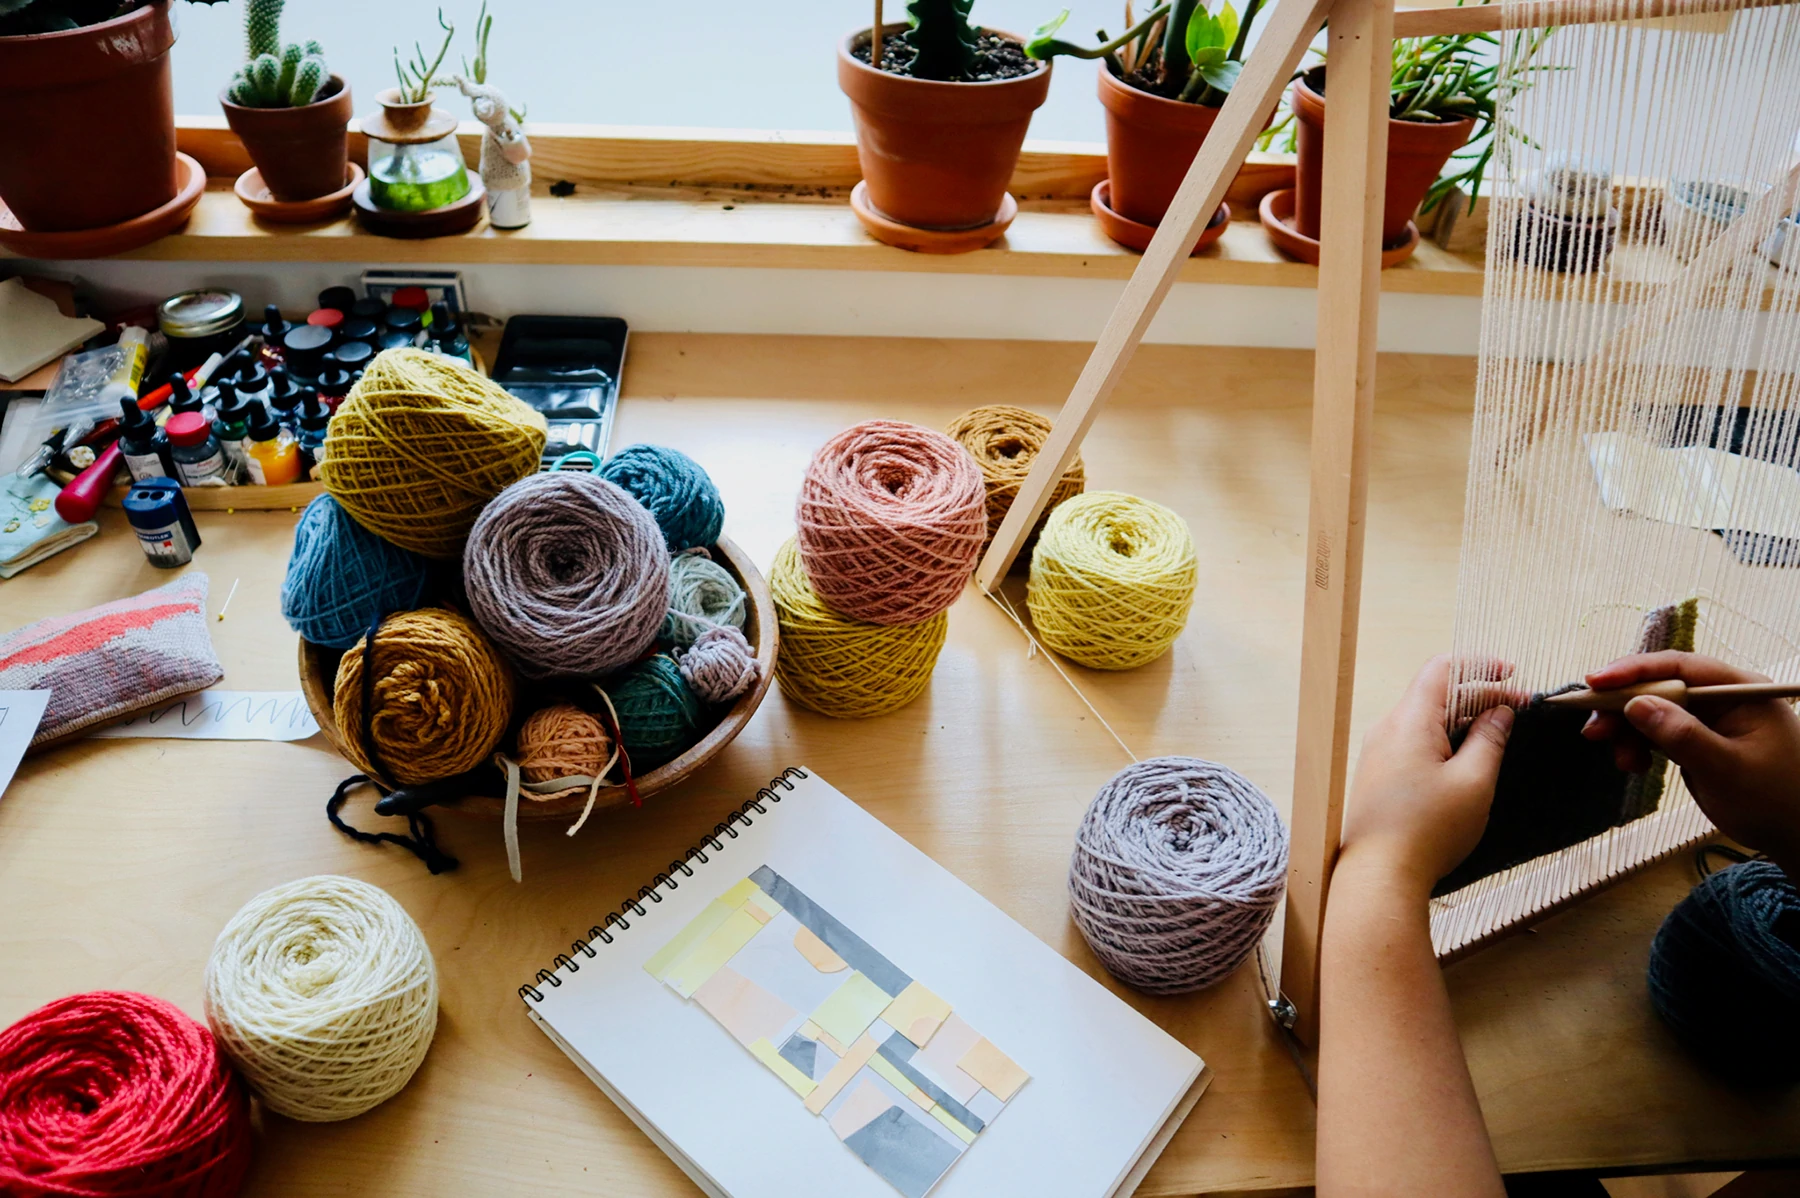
(569, 574)
(720, 665)
(1179, 866)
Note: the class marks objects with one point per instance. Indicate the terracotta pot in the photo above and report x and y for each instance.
(937, 155)
(1417, 152)
(302, 153)
(1150, 143)
(87, 123)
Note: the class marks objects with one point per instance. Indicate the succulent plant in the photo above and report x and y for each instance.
(19, 17)
(942, 40)
(275, 76)
(1179, 49)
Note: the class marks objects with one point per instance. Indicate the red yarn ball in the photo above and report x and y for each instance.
(891, 520)
(116, 1095)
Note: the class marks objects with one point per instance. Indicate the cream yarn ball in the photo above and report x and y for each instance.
(324, 994)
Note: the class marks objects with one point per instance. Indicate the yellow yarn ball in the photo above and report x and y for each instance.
(421, 444)
(1112, 580)
(840, 666)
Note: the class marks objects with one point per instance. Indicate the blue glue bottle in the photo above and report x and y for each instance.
(165, 528)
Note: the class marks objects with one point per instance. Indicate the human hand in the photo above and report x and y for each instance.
(1741, 762)
(1417, 807)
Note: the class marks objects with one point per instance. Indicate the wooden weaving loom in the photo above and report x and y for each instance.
(1673, 341)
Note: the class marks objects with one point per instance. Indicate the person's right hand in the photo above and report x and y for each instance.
(1742, 761)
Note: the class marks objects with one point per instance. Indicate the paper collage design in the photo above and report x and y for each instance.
(897, 1075)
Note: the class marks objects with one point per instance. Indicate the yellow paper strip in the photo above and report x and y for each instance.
(687, 974)
(993, 1069)
(698, 929)
(847, 1067)
(851, 1008)
(737, 894)
(917, 1014)
(826, 1038)
(900, 1081)
(948, 1120)
(762, 905)
(782, 1068)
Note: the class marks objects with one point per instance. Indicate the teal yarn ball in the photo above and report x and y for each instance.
(702, 595)
(678, 492)
(341, 577)
(660, 717)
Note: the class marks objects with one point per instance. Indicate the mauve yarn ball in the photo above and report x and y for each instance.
(568, 574)
(676, 490)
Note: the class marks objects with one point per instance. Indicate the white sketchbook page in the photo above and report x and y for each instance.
(223, 715)
(1103, 1078)
(20, 714)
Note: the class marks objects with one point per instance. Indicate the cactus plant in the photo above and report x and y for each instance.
(22, 17)
(276, 75)
(942, 41)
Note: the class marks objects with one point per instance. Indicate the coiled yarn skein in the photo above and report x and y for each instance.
(837, 666)
(1178, 868)
(675, 489)
(421, 444)
(324, 993)
(568, 574)
(660, 717)
(117, 1095)
(1112, 580)
(702, 595)
(443, 698)
(561, 741)
(891, 521)
(1725, 973)
(720, 665)
(1004, 441)
(341, 577)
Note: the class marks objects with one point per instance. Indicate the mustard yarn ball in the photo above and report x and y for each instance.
(1112, 580)
(1005, 441)
(421, 444)
(840, 666)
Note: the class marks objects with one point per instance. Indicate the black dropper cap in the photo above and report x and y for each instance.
(314, 415)
(368, 308)
(357, 328)
(354, 355)
(135, 423)
(443, 324)
(273, 325)
(182, 397)
(230, 406)
(340, 298)
(253, 378)
(263, 426)
(303, 349)
(284, 392)
(334, 380)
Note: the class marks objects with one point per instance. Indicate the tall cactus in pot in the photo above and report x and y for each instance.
(276, 75)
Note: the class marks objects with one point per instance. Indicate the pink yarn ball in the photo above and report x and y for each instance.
(892, 517)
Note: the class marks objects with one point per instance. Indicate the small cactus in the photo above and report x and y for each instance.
(309, 80)
(262, 28)
(275, 75)
(943, 43)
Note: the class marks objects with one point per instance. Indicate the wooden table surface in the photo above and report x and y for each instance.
(120, 860)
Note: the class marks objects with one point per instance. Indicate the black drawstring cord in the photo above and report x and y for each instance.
(421, 844)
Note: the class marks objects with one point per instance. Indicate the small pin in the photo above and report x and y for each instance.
(228, 597)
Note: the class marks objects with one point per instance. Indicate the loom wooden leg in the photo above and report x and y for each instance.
(1271, 64)
(1354, 182)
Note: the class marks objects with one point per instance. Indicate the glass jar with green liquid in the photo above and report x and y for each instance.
(415, 164)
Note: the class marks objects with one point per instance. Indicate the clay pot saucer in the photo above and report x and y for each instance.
(458, 216)
(885, 229)
(110, 239)
(254, 193)
(1136, 235)
(1277, 214)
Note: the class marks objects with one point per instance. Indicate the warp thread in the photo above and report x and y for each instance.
(660, 716)
(569, 574)
(702, 595)
(443, 697)
(843, 667)
(1112, 580)
(422, 444)
(118, 1095)
(324, 993)
(1725, 973)
(1178, 868)
(891, 520)
(341, 577)
(1005, 441)
(675, 489)
(720, 665)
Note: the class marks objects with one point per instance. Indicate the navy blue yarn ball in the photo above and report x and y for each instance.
(1725, 973)
(678, 492)
(341, 577)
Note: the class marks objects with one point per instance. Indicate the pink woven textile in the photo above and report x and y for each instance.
(114, 659)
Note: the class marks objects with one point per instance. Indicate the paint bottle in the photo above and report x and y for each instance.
(273, 329)
(199, 459)
(231, 425)
(369, 308)
(165, 528)
(447, 335)
(253, 382)
(329, 319)
(144, 447)
(400, 328)
(358, 328)
(303, 351)
(182, 397)
(284, 396)
(416, 299)
(274, 454)
(340, 299)
(334, 385)
(354, 356)
(315, 419)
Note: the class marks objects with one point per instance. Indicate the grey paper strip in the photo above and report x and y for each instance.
(800, 1053)
(902, 1152)
(840, 939)
(900, 1057)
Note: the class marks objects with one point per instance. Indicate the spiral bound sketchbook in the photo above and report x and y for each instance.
(806, 1004)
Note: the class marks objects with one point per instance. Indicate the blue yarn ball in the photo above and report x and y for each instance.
(341, 577)
(1725, 973)
(678, 492)
(660, 716)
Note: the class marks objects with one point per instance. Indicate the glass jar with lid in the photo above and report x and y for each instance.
(199, 324)
(415, 163)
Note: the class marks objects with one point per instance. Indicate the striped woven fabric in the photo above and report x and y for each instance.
(109, 661)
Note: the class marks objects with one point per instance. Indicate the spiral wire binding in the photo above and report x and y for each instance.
(635, 905)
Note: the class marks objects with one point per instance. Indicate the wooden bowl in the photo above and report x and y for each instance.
(317, 674)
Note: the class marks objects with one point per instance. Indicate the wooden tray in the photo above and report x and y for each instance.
(759, 627)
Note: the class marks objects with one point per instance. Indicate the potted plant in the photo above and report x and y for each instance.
(1163, 82)
(1569, 221)
(87, 111)
(418, 184)
(940, 113)
(289, 110)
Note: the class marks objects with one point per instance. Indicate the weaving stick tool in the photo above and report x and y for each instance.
(1675, 691)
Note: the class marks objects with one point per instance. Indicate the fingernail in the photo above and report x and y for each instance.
(1645, 710)
(1503, 718)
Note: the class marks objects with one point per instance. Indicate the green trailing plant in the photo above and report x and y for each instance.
(21, 17)
(942, 40)
(1180, 49)
(417, 76)
(477, 71)
(276, 75)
